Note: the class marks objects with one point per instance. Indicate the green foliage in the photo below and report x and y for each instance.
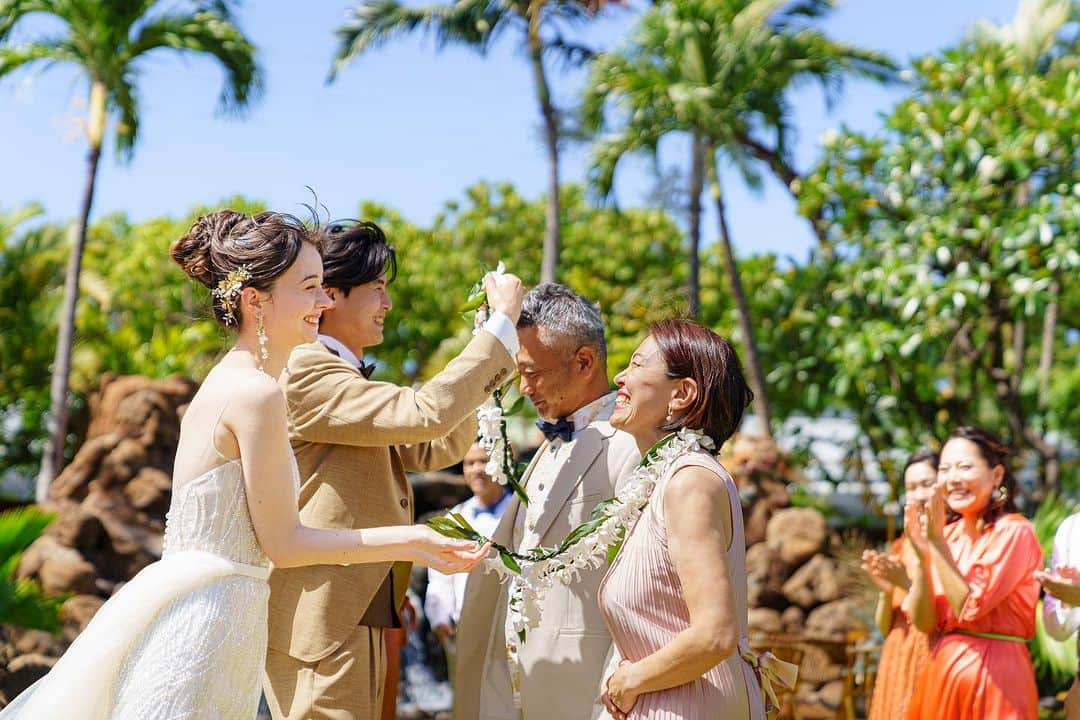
(22, 604)
(953, 234)
(474, 24)
(628, 262)
(721, 70)
(139, 314)
(31, 277)
(110, 41)
(1055, 661)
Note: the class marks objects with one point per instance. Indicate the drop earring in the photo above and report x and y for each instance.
(260, 333)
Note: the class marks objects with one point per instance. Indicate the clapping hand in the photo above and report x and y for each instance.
(887, 571)
(915, 527)
(936, 512)
(1063, 582)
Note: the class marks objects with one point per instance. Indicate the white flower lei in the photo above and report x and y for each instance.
(491, 416)
(592, 544)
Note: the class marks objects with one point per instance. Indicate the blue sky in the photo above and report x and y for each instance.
(405, 126)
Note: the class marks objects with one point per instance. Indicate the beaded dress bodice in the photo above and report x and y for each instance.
(210, 513)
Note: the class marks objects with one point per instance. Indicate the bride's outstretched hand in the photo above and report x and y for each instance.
(447, 555)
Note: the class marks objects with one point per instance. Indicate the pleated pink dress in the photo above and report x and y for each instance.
(641, 599)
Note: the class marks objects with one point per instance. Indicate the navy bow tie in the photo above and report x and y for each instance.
(562, 428)
(365, 369)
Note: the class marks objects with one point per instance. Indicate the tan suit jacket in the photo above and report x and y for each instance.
(563, 659)
(354, 439)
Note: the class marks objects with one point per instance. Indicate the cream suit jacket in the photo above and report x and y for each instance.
(563, 659)
(354, 439)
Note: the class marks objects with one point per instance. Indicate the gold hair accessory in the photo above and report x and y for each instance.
(228, 291)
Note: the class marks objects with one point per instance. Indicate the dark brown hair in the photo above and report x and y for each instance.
(995, 452)
(265, 244)
(925, 455)
(355, 252)
(696, 352)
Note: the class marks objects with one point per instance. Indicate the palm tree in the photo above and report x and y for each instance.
(720, 71)
(476, 24)
(108, 42)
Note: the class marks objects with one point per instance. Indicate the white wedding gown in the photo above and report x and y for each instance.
(186, 637)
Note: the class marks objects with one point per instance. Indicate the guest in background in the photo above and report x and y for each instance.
(906, 649)
(446, 593)
(1061, 606)
(973, 587)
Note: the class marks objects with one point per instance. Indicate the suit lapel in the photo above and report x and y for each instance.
(504, 531)
(582, 455)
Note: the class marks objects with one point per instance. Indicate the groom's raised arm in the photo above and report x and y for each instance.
(443, 452)
(331, 402)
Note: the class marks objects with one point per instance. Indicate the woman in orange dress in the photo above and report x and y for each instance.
(906, 649)
(973, 588)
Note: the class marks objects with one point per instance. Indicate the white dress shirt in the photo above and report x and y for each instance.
(445, 593)
(554, 454)
(1063, 620)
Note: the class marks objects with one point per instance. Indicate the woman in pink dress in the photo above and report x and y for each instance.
(973, 588)
(675, 596)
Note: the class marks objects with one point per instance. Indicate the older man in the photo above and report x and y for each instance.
(559, 668)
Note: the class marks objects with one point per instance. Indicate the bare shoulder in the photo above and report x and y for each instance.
(697, 481)
(255, 391)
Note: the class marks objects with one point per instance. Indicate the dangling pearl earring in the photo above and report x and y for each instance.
(260, 332)
(670, 413)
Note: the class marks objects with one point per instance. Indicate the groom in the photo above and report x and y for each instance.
(354, 439)
(584, 460)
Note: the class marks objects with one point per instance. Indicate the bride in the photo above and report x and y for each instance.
(186, 638)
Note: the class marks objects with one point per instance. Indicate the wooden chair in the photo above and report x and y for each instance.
(859, 670)
(863, 656)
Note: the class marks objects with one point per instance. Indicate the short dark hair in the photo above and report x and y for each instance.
(995, 452)
(355, 252)
(924, 455)
(693, 351)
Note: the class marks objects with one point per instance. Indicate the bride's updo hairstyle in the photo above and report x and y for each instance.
(693, 351)
(228, 250)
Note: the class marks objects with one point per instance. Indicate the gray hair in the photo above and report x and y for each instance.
(557, 310)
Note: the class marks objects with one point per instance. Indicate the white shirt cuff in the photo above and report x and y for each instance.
(500, 326)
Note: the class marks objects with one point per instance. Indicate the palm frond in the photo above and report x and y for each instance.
(571, 54)
(210, 33)
(470, 23)
(12, 11)
(19, 528)
(123, 103)
(606, 155)
(47, 52)
(23, 604)
(801, 11)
